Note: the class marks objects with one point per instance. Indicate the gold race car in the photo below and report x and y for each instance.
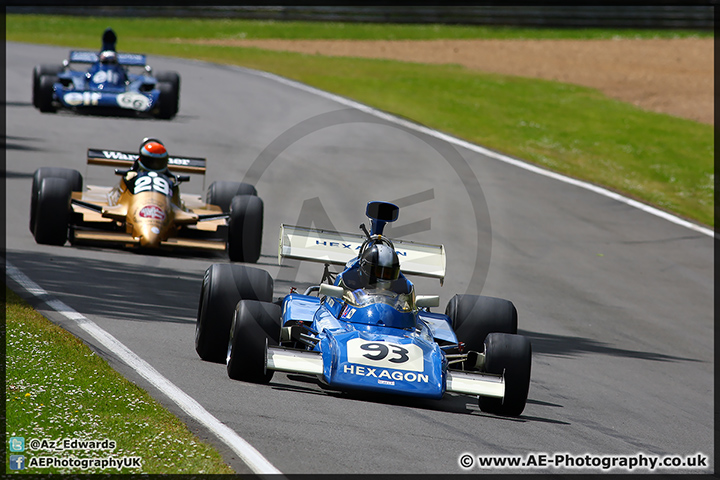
(145, 209)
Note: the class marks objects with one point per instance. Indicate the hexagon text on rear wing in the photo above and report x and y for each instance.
(336, 248)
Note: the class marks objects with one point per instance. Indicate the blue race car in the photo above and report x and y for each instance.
(364, 328)
(107, 86)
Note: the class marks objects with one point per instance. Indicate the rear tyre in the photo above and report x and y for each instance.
(52, 212)
(221, 193)
(38, 72)
(511, 356)
(224, 285)
(473, 317)
(245, 229)
(255, 326)
(72, 176)
(46, 90)
(168, 101)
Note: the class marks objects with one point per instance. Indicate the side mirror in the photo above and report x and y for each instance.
(331, 290)
(427, 301)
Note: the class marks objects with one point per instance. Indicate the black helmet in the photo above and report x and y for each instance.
(379, 262)
(153, 155)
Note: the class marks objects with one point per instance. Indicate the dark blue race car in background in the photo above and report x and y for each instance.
(107, 86)
(377, 336)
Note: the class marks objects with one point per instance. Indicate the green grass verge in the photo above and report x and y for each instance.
(57, 388)
(656, 158)
(47, 29)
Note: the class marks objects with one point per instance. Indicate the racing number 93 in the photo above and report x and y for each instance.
(383, 350)
(385, 354)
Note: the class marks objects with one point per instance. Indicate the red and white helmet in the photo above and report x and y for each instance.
(153, 156)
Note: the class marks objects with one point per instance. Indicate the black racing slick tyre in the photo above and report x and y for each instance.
(52, 211)
(224, 285)
(169, 77)
(511, 356)
(255, 326)
(473, 317)
(245, 229)
(38, 72)
(220, 193)
(45, 92)
(169, 101)
(72, 176)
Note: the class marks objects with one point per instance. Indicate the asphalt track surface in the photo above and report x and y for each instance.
(618, 303)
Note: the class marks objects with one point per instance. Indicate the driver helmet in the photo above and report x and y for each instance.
(153, 156)
(108, 57)
(380, 265)
(373, 240)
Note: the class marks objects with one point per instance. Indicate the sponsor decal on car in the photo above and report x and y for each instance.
(348, 246)
(119, 155)
(75, 99)
(153, 212)
(102, 76)
(385, 376)
(134, 101)
(178, 161)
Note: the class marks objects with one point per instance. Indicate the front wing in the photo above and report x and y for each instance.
(311, 362)
(127, 100)
(95, 221)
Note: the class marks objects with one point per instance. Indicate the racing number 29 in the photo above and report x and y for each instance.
(382, 351)
(147, 182)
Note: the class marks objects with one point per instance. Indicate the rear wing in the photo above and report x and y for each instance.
(114, 158)
(335, 248)
(126, 59)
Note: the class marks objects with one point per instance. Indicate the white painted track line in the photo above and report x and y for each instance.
(239, 445)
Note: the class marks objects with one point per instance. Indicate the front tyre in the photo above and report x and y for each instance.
(52, 212)
(38, 72)
(245, 229)
(255, 326)
(224, 285)
(511, 356)
(72, 176)
(45, 93)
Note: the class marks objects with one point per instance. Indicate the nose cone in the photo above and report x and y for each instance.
(149, 236)
(150, 219)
